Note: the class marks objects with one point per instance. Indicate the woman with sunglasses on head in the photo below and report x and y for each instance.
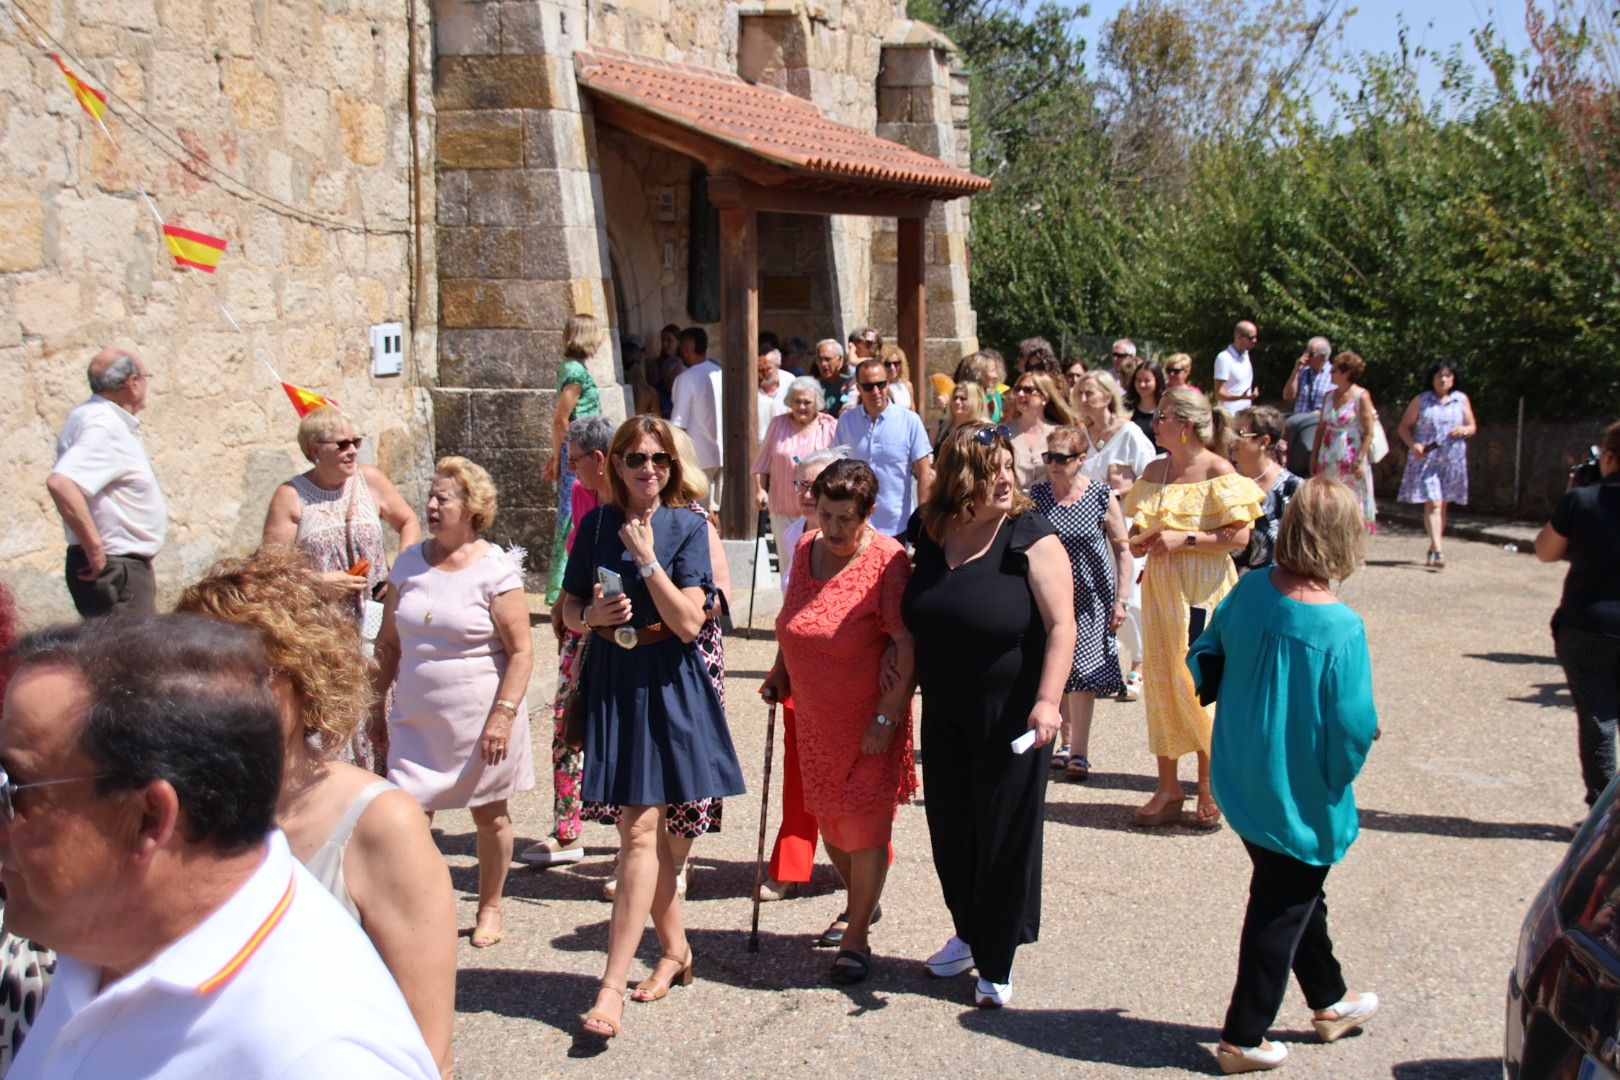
(990, 605)
(1087, 519)
(1344, 437)
(1188, 513)
(1257, 453)
(1042, 407)
(640, 579)
(334, 514)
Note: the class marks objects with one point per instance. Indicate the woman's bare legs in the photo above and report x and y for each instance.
(864, 873)
(646, 883)
(494, 827)
(1168, 791)
(1434, 522)
(1078, 707)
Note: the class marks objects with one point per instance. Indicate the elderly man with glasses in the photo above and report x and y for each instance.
(893, 441)
(104, 487)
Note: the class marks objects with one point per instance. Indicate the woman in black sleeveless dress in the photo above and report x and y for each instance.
(991, 606)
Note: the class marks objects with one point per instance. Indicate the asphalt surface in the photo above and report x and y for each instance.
(1467, 803)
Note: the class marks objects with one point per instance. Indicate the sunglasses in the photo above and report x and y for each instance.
(895, 364)
(635, 459)
(344, 445)
(1059, 459)
(1177, 371)
(881, 384)
(987, 436)
(1026, 389)
(8, 790)
(1122, 355)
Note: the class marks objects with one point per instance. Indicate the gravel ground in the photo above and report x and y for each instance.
(1467, 803)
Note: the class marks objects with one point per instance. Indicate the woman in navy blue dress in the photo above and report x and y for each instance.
(655, 731)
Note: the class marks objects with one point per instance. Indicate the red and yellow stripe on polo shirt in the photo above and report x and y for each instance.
(251, 946)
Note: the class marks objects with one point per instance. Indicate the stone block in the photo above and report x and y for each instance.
(530, 528)
(185, 91)
(509, 304)
(500, 359)
(306, 244)
(308, 111)
(540, 138)
(514, 197)
(353, 51)
(906, 66)
(96, 232)
(451, 198)
(462, 28)
(495, 82)
(482, 139)
(385, 195)
(523, 27)
(252, 94)
(96, 41)
(236, 28)
(514, 419)
(251, 294)
(516, 473)
(452, 417)
(22, 241)
(483, 252)
(364, 127)
(131, 14)
(48, 305)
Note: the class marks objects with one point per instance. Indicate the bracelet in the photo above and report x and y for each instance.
(511, 706)
(585, 617)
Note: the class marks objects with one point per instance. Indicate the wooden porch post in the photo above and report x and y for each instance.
(739, 317)
(911, 299)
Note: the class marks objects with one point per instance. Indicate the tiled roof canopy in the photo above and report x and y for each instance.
(770, 124)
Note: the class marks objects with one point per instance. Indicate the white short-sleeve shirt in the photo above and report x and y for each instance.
(1238, 372)
(278, 982)
(100, 450)
(695, 409)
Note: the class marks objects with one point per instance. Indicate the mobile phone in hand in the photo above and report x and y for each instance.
(612, 584)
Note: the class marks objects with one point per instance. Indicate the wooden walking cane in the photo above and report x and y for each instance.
(764, 812)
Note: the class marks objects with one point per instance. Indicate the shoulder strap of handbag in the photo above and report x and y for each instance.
(584, 646)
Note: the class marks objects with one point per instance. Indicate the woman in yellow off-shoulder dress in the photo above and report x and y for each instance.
(1188, 513)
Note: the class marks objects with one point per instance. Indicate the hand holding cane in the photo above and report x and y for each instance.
(764, 811)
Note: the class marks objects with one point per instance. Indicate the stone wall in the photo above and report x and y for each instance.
(284, 128)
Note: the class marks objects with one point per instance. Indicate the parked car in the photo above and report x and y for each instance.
(1563, 1000)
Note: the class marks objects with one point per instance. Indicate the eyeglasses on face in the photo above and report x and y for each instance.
(987, 436)
(344, 445)
(9, 789)
(1247, 434)
(879, 384)
(635, 459)
(1053, 458)
(803, 486)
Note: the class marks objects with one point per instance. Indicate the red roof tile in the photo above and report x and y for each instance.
(769, 123)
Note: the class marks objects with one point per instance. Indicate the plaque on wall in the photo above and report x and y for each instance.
(703, 255)
(785, 293)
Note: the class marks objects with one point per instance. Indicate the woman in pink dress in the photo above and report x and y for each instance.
(840, 616)
(456, 633)
(788, 439)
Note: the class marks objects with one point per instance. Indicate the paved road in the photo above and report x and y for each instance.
(1466, 805)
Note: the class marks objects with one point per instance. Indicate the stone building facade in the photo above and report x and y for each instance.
(433, 163)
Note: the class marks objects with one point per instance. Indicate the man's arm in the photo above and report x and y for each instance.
(923, 469)
(680, 397)
(1291, 387)
(75, 510)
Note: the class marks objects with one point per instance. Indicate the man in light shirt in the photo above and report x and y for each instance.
(771, 400)
(104, 488)
(144, 757)
(1234, 388)
(696, 407)
(1312, 379)
(893, 441)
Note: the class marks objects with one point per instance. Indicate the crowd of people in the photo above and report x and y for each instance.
(285, 737)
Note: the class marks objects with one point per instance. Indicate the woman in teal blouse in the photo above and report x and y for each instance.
(577, 397)
(1294, 720)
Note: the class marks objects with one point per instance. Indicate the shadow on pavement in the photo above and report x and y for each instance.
(1448, 1069)
(1464, 828)
(1109, 1036)
(1512, 658)
(1553, 695)
(1114, 818)
(1114, 781)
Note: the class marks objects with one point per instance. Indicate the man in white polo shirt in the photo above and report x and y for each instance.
(696, 408)
(144, 756)
(107, 494)
(1234, 388)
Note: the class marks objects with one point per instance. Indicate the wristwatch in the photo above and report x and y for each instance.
(1192, 540)
(882, 721)
(647, 570)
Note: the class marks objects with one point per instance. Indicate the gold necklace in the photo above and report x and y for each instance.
(432, 593)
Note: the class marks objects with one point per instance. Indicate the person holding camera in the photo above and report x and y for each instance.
(1585, 529)
(1436, 428)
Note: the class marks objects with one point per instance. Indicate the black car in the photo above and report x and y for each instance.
(1563, 1001)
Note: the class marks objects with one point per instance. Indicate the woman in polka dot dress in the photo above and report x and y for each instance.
(1088, 520)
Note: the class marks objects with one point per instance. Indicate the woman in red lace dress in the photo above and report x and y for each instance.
(841, 614)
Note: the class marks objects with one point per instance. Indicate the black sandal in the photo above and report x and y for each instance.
(833, 936)
(851, 967)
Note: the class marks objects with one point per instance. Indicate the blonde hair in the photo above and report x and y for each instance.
(1058, 410)
(891, 351)
(694, 481)
(964, 475)
(477, 488)
(1110, 386)
(318, 425)
(309, 632)
(1322, 534)
(977, 406)
(1213, 427)
(582, 337)
(1176, 358)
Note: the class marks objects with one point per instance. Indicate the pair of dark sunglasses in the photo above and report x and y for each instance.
(881, 384)
(343, 445)
(635, 459)
(1059, 459)
(988, 436)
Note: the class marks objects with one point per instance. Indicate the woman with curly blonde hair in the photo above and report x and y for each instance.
(367, 841)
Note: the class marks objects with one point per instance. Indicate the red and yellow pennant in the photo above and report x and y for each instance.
(307, 401)
(194, 249)
(93, 101)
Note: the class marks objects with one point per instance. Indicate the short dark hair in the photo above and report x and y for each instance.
(181, 698)
(1037, 354)
(698, 337)
(1436, 368)
(848, 478)
(1354, 365)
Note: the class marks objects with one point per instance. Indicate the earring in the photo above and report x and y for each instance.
(1183, 438)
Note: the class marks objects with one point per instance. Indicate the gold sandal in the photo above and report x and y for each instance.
(609, 1026)
(652, 989)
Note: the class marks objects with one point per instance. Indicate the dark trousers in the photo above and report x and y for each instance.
(1285, 928)
(986, 806)
(1592, 667)
(126, 587)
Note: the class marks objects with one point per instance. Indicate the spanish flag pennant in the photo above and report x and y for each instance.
(194, 249)
(93, 100)
(307, 401)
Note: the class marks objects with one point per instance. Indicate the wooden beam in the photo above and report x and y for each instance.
(739, 318)
(911, 303)
(792, 197)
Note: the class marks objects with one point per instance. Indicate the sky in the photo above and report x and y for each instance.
(1436, 24)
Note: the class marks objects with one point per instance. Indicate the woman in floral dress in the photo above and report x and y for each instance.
(1436, 428)
(1344, 437)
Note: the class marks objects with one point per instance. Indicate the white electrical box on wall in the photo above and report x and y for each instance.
(388, 348)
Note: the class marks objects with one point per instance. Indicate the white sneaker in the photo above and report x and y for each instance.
(991, 995)
(955, 958)
(553, 852)
(1133, 687)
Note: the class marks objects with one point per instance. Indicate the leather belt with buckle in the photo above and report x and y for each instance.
(626, 637)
